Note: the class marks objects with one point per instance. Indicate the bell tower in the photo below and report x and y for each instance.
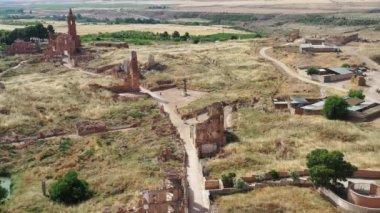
(71, 24)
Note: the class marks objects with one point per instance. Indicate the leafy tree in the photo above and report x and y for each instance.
(176, 35)
(228, 180)
(187, 35)
(356, 93)
(3, 193)
(69, 189)
(50, 29)
(312, 71)
(165, 35)
(327, 168)
(335, 108)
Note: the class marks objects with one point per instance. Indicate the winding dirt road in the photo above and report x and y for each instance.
(294, 74)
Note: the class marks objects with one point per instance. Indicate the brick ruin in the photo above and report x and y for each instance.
(129, 71)
(171, 198)
(293, 35)
(61, 44)
(209, 135)
(22, 47)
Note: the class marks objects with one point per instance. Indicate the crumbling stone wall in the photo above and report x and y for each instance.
(342, 40)
(90, 127)
(22, 47)
(209, 135)
(132, 76)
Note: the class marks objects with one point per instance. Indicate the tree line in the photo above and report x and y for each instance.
(38, 30)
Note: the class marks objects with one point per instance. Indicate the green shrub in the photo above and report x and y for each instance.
(327, 168)
(274, 174)
(228, 180)
(346, 65)
(356, 93)
(241, 184)
(69, 189)
(294, 175)
(335, 108)
(65, 144)
(3, 193)
(312, 71)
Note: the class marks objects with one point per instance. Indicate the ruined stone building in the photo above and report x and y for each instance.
(172, 198)
(22, 47)
(130, 72)
(62, 44)
(209, 135)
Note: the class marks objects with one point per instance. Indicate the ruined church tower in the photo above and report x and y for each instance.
(72, 29)
(71, 24)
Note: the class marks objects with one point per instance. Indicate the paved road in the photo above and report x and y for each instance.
(198, 197)
(294, 74)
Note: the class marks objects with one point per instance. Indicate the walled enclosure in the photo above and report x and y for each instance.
(361, 194)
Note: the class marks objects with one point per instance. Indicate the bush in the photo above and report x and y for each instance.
(3, 193)
(69, 189)
(327, 168)
(241, 184)
(274, 174)
(356, 93)
(294, 175)
(335, 108)
(346, 65)
(312, 71)
(228, 180)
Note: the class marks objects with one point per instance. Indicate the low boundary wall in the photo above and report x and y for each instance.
(344, 204)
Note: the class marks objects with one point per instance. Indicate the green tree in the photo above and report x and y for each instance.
(335, 108)
(327, 168)
(69, 189)
(356, 93)
(3, 193)
(228, 180)
(176, 35)
(312, 71)
(50, 28)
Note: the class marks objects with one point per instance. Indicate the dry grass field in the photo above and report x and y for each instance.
(43, 96)
(258, 149)
(117, 165)
(85, 29)
(274, 200)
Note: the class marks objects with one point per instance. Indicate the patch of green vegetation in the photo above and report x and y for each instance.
(144, 38)
(63, 6)
(65, 144)
(70, 190)
(219, 18)
(336, 21)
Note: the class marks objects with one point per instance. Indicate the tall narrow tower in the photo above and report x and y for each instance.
(71, 24)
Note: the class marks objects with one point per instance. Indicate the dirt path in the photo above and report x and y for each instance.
(13, 68)
(294, 74)
(198, 197)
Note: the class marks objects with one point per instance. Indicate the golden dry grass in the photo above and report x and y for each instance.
(258, 133)
(84, 29)
(275, 199)
(117, 165)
